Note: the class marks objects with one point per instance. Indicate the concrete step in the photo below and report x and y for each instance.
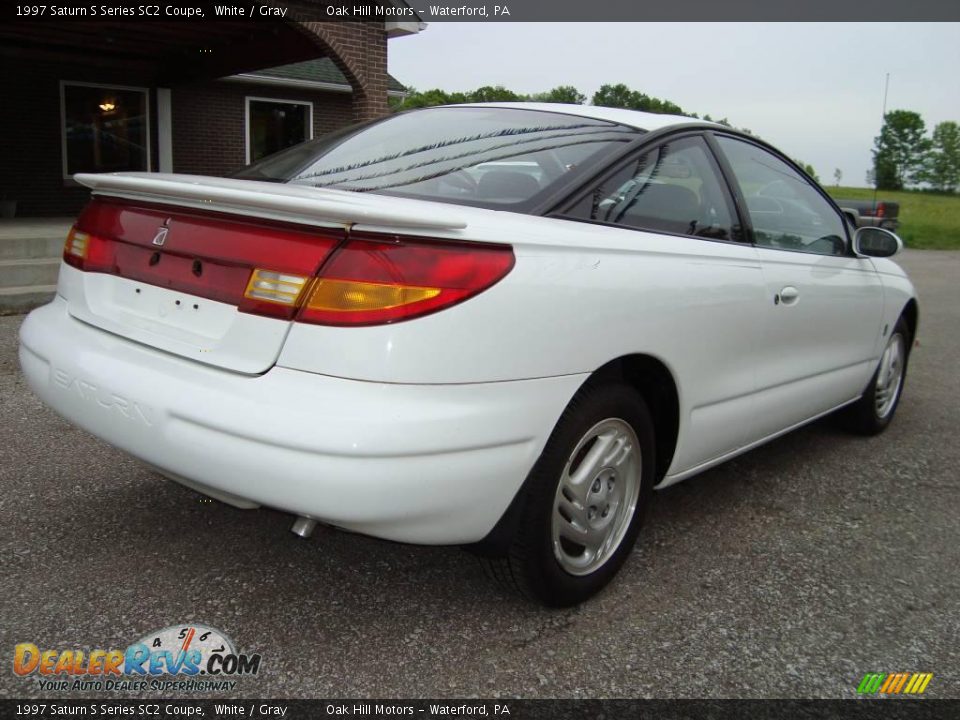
(15, 300)
(33, 271)
(22, 248)
(30, 252)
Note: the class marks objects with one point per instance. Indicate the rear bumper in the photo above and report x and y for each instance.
(432, 464)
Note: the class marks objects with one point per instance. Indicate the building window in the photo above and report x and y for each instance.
(274, 125)
(105, 128)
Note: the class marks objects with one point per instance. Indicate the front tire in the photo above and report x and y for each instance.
(872, 413)
(585, 500)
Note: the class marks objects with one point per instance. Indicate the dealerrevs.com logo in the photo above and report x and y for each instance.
(179, 657)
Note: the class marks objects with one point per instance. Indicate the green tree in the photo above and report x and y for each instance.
(837, 176)
(496, 93)
(616, 96)
(427, 98)
(621, 96)
(808, 169)
(943, 160)
(656, 105)
(885, 173)
(561, 94)
(900, 150)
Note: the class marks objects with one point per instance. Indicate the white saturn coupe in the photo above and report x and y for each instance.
(498, 326)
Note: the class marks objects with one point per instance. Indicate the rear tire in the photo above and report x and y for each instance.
(872, 413)
(585, 499)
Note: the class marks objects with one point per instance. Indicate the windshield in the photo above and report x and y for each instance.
(474, 155)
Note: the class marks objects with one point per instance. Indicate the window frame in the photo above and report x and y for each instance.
(649, 144)
(740, 198)
(148, 140)
(246, 119)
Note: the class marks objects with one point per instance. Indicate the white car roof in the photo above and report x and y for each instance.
(632, 118)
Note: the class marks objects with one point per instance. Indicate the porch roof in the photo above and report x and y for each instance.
(160, 53)
(321, 70)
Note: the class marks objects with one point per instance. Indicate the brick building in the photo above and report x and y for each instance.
(199, 96)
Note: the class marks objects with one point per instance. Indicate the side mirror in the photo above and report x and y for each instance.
(876, 242)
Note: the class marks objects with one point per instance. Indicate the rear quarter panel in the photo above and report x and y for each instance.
(579, 296)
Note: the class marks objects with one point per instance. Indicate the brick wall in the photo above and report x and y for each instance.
(208, 121)
(359, 49)
(208, 131)
(209, 141)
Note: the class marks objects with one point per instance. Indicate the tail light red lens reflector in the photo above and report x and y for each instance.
(371, 282)
(87, 251)
(283, 271)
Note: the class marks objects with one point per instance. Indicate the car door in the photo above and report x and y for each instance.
(699, 292)
(821, 320)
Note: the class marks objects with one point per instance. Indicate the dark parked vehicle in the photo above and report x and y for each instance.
(867, 213)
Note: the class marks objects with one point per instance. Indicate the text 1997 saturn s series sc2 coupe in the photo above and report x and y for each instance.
(498, 326)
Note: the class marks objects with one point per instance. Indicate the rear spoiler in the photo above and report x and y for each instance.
(277, 201)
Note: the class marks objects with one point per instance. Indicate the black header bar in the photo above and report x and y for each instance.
(430, 11)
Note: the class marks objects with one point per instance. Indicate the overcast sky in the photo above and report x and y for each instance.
(813, 90)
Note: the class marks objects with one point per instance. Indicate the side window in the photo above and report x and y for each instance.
(786, 211)
(674, 188)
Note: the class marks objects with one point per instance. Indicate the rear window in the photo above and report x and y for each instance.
(479, 156)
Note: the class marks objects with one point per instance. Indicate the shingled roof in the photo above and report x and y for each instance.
(322, 70)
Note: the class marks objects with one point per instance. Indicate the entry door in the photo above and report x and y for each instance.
(698, 295)
(818, 347)
(821, 325)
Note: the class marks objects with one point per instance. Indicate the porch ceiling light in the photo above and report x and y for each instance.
(108, 106)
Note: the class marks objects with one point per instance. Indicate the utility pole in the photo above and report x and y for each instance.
(883, 119)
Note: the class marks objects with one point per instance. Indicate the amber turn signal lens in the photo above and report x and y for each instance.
(373, 280)
(354, 296)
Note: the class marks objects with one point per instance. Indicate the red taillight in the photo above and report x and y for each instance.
(248, 263)
(89, 252)
(881, 210)
(283, 271)
(372, 281)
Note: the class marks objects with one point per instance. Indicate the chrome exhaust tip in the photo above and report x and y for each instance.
(303, 526)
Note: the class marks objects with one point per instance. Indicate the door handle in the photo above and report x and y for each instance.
(788, 296)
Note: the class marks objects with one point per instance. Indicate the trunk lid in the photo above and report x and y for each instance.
(172, 261)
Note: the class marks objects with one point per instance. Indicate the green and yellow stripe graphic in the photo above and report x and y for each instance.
(894, 683)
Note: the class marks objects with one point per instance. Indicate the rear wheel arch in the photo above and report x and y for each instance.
(585, 500)
(911, 315)
(655, 383)
(651, 377)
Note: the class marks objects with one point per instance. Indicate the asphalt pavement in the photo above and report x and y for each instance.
(789, 572)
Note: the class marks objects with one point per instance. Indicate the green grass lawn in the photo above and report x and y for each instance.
(930, 222)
